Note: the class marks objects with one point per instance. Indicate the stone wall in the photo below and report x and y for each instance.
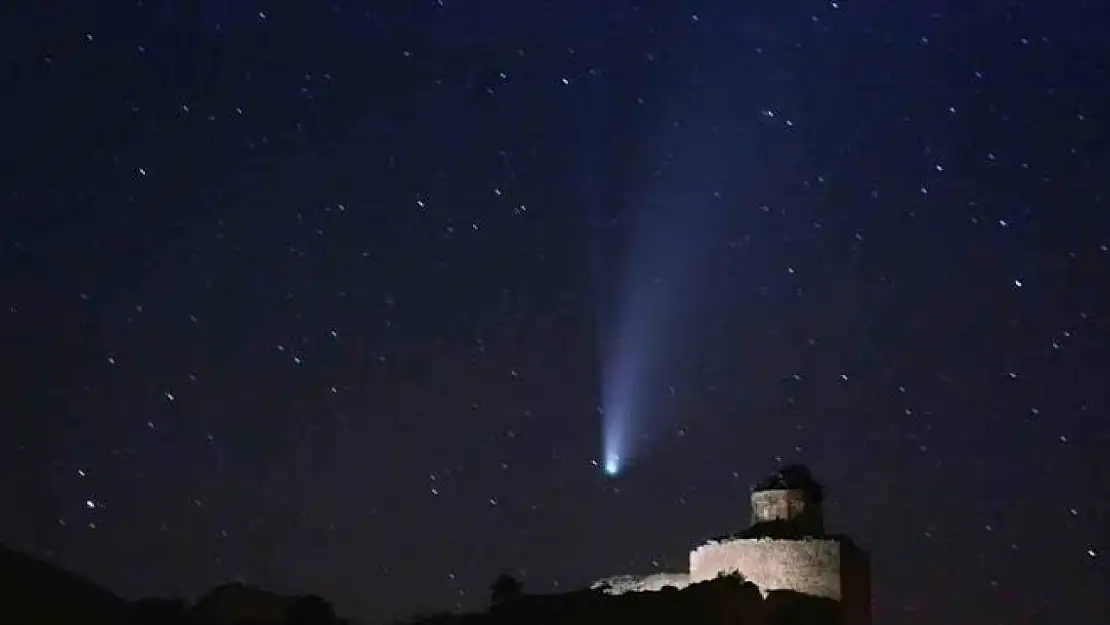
(812, 566)
(620, 584)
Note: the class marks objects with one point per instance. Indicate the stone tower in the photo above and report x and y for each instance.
(786, 548)
(790, 500)
(785, 551)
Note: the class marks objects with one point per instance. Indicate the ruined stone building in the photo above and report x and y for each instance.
(785, 548)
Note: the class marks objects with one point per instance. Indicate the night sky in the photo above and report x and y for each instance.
(330, 296)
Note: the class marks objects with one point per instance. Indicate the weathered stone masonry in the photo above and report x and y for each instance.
(784, 548)
(810, 565)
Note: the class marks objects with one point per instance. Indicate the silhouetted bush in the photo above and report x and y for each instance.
(787, 607)
(793, 477)
(504, 590)
(311, 610)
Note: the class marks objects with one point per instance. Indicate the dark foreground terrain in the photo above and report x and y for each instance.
(33, 592)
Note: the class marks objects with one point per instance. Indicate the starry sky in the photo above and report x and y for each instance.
(320, 295)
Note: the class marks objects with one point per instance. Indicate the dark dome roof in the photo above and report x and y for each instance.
(792, 477)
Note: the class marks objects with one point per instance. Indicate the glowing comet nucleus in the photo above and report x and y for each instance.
(618, 403)
(614, 444)
(612, 465)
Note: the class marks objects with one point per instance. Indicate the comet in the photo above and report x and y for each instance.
(647, 329)
(655, 250)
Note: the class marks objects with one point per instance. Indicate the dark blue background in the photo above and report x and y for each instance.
(388, 403)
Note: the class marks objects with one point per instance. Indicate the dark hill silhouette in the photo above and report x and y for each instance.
(156, 611)
(727, 600)
(239, 603)
(34, 592)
